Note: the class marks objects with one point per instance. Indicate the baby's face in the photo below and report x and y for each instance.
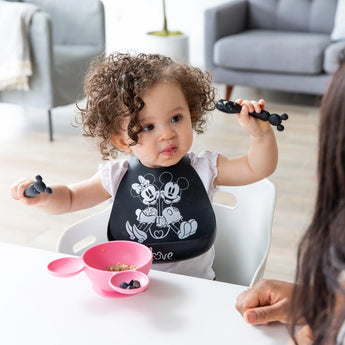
(167, 128)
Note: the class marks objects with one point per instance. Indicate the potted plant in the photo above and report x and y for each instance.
(166, 42)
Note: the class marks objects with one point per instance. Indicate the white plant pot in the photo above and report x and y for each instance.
(175, 47)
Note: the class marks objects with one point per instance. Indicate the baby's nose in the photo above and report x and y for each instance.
(167, 132)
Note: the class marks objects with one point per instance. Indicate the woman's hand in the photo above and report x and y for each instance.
(304, 337)
(266, 301)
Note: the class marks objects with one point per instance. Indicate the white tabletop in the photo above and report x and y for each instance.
(41, 309)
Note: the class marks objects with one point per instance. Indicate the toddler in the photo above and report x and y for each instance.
(148, 106)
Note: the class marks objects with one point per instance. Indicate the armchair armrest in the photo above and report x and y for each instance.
(334, 53)
(222, 20)
(42, 59)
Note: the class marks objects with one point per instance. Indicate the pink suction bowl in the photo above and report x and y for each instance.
(99, 257)
(96, 260)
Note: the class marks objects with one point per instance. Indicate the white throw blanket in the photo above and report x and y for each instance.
(15, 62)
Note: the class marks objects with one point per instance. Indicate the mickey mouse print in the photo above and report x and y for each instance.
(159, 217)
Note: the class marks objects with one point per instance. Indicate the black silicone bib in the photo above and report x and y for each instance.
(166, 209)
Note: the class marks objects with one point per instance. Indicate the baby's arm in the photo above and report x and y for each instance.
(262, 157)
(64, 198)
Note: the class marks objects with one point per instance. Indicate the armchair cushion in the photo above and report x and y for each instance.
(300, 53)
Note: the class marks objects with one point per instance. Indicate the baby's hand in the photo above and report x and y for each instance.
(253, 126)
(18, 188)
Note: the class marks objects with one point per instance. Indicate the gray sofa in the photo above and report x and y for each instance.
(272, 44)
(64, 36)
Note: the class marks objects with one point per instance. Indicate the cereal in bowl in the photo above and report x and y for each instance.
(120, 267)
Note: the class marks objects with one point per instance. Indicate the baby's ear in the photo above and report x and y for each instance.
(120, 142)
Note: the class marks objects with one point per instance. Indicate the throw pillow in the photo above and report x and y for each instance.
(338, 32)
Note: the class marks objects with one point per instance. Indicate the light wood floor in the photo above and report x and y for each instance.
(26, 151)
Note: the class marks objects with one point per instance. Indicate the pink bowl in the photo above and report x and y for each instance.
(96, 260)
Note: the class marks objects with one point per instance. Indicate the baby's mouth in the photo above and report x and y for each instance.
(169, 151)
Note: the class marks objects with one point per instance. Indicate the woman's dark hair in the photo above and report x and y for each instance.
(115, 85)
(321, 253)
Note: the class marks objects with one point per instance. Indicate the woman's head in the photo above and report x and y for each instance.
(321, 255)
(115, 86)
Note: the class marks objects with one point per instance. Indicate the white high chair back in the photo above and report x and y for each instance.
(244, 233)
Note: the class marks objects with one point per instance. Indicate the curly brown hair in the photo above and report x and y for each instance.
(114, 87)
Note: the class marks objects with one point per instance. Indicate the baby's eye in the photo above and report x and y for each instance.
(148, 128)
(176, 118)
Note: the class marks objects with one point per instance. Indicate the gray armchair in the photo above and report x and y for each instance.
(272, 44)
(64, 36)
